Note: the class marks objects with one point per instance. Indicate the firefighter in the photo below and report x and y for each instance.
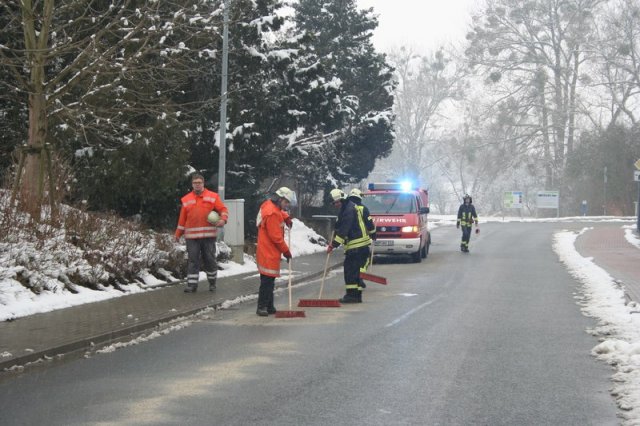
(466, 218)
(271, 245)
(199, 234)
(355, 196)
(351, 232)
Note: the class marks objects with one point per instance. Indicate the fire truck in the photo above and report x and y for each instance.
(400, 213)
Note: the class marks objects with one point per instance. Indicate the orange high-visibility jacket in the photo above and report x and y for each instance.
(193, 215)
(271, 243)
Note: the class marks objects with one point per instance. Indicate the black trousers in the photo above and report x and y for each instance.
(354, 259)
(466, 236)
(265, 294)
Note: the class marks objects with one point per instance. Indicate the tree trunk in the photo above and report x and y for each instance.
(36, 39)
(32, 187)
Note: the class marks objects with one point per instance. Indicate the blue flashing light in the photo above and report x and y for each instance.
(404, 186)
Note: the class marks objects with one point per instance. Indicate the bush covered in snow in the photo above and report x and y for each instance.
(78, 248)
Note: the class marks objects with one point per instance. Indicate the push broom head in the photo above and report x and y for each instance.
(319, 303)
(290, 314)
(374, 278)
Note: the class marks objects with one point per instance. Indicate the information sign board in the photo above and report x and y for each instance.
(548, 199)
(513, 199)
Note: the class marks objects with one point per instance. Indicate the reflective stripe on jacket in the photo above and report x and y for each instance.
(192, 222)
(467, 215)
(271, 244)
(351, 230)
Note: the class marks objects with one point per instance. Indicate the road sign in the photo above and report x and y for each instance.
(548, 199)
(513, 199)
(637, 164)
(636, 175)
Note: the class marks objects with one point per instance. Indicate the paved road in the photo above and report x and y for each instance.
(493, 338)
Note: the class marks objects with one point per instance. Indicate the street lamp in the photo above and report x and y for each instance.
(222, 156)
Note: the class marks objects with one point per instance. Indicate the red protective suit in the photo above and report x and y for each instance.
(271, 244)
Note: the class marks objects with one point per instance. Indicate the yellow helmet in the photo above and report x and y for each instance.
(337, 194)
(288, 195)
(355, 192)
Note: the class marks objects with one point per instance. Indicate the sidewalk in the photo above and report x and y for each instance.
(62, 331)
(610, 250)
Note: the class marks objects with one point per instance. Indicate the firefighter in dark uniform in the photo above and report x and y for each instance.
(466, 218)
(355, 196)
(351, 232)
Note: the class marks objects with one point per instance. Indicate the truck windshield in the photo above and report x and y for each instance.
(390, 203)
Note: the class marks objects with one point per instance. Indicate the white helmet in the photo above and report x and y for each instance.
(288, 195)
(355, 192)
(213, 217)
(337, 194)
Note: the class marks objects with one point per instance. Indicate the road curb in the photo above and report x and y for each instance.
(106, 338)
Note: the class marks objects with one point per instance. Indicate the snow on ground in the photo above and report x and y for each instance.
(630, 235)
(16, 300)
(618, 323)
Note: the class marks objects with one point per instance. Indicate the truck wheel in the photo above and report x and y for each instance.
(417, 256)
(425, 249)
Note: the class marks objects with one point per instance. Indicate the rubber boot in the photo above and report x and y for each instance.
(351, 297)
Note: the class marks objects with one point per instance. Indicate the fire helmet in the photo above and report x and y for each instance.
(355, 192)
(337, 195)
(213, 217)
(288, 195)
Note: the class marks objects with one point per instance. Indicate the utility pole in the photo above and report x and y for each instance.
(222, 157)
(637, 177)
(604, 205)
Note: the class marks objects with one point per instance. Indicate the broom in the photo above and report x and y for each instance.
(320, 302)
(290, 313)
(369, 276)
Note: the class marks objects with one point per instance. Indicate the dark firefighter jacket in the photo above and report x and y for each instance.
(366, 216)
(351, 230)
(467, 215)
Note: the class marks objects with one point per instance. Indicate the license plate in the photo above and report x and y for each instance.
(383, 242)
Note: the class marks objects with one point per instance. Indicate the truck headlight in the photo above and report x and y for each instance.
(409, 229)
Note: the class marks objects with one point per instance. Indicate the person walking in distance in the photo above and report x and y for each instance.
(355, 196)
(351, 232)
(271, 221)
(466, 218)
(199, 233)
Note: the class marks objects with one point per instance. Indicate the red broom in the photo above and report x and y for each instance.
(290, 313)
(320, 302)
(369, 276)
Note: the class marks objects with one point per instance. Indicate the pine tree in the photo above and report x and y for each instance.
(362, 130)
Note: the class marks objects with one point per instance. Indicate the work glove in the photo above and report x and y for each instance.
(477, 230)
(374, 236)
(329, 248)
(287, 255)
(288, 222)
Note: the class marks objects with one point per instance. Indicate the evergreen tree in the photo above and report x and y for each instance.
(362, 130)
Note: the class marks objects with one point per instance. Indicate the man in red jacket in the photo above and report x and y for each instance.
(271, 245)
(199, 234)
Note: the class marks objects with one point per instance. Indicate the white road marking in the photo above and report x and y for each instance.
(411, 312)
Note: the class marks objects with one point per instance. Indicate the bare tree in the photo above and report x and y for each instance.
(617, 57)
(425, 84)
(537, 48)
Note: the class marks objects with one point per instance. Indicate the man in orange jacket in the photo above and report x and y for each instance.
(271, 245)
(199, 233)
